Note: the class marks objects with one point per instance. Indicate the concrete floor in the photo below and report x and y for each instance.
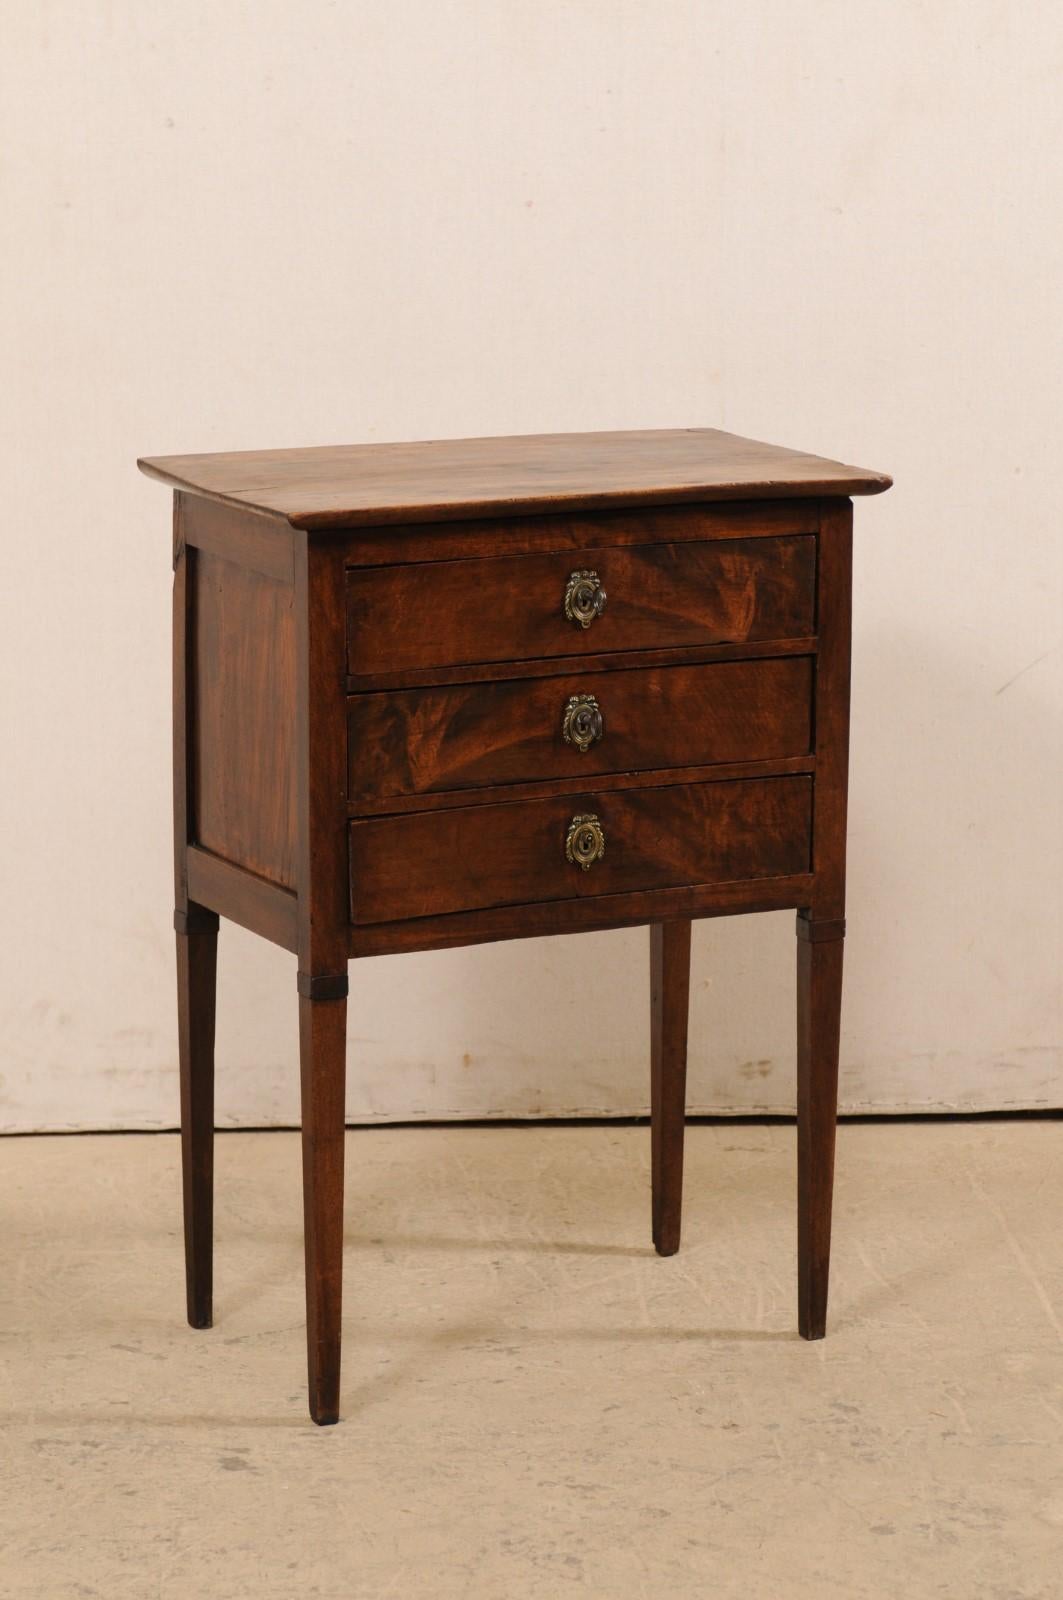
(537, 1406)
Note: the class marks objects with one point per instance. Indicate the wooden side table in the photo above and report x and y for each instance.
(443, 693)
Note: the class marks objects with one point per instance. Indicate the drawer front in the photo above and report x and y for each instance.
(455, 613)
(432, 863)
(423, 741)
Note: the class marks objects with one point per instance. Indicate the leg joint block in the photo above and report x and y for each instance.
(819, 932)
(323, 986)
(195, 919)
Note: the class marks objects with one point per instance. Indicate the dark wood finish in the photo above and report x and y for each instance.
(345, 486)
(818, 932)
(420, 740)
(445, 800)
(832, 709)
(250, 540)
(251, 902)
(819, 1001)
(322, 1055)
(322, 938)
(606, 661)
(243, 771)
(197, 969)
(539, 918)
(669, 1013)
(326, 986)
(510, 609)
(197, 975)
(820, 942)
(370, 667)
(574, 530)
(321, 760)
(183, 590)
(438, 862)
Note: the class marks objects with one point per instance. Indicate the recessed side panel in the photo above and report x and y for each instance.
(243, 717)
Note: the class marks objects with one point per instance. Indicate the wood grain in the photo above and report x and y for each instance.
(253, 903)
(380, 627)
(819, 1000)
(834, 608)
(197, 979)
(182, 701)
(543, 531)
(426, 740)
(197, 966)
(243, 766)
(662, 595)
(669, 1014)
(340, 486)
(604, 783)
(261, 544)
(322, 1056)
(596, 661)
(320, 761)
(821, 928)
(539, 919)
(447, 861)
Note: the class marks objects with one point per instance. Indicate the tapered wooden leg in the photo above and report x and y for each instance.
(669, 1010)
(322, 1050)
(197, 967)
(819, 999)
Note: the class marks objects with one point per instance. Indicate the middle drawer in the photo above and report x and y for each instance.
(425, 741)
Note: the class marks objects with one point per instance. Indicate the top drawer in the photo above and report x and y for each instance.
(512, 608)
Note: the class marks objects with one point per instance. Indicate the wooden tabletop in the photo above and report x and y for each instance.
(342, 486)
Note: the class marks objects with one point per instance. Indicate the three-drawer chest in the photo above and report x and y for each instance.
(443, 693)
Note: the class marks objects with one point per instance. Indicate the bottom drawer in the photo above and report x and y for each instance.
(431, 863)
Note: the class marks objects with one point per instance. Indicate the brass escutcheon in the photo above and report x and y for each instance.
(584, 597)
(585, 841)
(582, 723)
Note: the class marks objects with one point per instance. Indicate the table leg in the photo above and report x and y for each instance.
(669, 1010)
(819, 998)
(322, 1050)
(197, 968)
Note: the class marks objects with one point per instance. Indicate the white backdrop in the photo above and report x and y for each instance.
(835, 224)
